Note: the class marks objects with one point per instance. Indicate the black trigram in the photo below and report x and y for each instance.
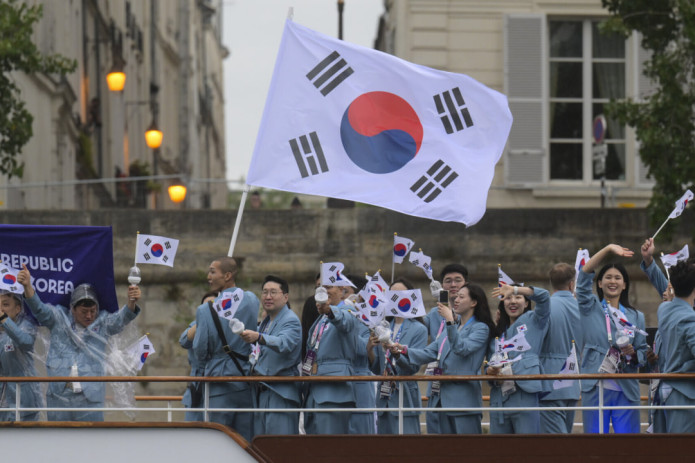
(394, 298)
(450, 110)
(165, 258)
(146, 346)
(330, 76)
(236, 298)
(332, 268)
(413, 296)
(438, 177)
(331, 279)
(309, 157)
(146, 256)
(167, 245)
(148, 242)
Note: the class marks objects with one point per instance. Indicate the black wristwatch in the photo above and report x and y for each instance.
(3, 317)
(450, 323)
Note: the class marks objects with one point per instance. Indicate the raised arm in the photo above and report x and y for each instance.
(597, 258)
(654, 274)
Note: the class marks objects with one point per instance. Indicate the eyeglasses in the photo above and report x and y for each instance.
(271, 293)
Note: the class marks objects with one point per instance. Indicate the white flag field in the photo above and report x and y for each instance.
(152, 249)
(345, 121)
(669, 260)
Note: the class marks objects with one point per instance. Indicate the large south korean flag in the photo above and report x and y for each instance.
(348, 122)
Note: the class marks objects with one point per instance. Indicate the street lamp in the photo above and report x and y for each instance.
(153, 136)
(115, 79)
(177, 193)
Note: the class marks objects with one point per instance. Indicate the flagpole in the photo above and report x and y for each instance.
(240, 212)
(668, 277)
(137, 240)
(662, 226)
(393, 262)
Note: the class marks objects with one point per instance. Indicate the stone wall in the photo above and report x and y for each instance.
(290, 243)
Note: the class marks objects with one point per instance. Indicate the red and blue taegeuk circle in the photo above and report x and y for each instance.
(400, 249)
(373, 301)
(143, 357)
(157, 250)
(9, 279)
(381, 132)
(404, 305)
(226, 304)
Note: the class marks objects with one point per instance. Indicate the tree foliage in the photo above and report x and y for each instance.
(664, 122)
(18, 53)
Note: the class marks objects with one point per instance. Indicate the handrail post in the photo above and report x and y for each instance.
(600, 407)
(17, 402)
(169, 414)
(206, 401)
(399, 385)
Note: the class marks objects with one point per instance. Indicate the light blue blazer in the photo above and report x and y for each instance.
(462, 354)
(413, 335)
(656, 277)
(208, 349)
(564, 328)
(596, 346)
(195, 371)
(677, 328)
(281, 353)
(68, 348)
(340, 340)
(535, 324)
(16, 351)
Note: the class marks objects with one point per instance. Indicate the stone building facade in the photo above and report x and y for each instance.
(558, 71)
(85, 136)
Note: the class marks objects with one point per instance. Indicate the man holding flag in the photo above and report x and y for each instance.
(563, 330)
(79, 338)
(228, 357)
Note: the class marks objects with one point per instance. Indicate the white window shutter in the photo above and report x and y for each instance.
(524, 60)
(644, 88)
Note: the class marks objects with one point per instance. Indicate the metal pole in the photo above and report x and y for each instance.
(341, 7)
(238, 221)
(400, 408)
(600, 407)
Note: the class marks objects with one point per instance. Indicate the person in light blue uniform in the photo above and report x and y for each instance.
(677, 327)
(612, 287)
(459, 350)
(365, 397)
(412, 333)
(453, 277)
(517, 319)
(655, 361)
(276, 352)
(563, 330)
(186, 341)
(333, 340)
(17, 336)
(78, 342)
(210, 353)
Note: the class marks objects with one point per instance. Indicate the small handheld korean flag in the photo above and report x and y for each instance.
(370, 316)
(503, 278)
(669, 260)
(228, 302)
(373, 296)
(516, 344)
(140, 351)
(405, 304)
(680, 204)
(581, 260)
(8, 279)
(332, 275)
(401, 247)
(571, 367)
(152, 249)
(419, 259)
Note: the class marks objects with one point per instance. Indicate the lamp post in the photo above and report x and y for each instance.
(341, 6)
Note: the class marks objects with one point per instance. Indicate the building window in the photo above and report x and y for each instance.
(586, 69)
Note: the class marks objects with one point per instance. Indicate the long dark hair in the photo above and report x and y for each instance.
(505, 321)
(481, 311)
(624, 299)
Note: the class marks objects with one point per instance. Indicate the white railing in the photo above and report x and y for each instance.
(205, 409)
